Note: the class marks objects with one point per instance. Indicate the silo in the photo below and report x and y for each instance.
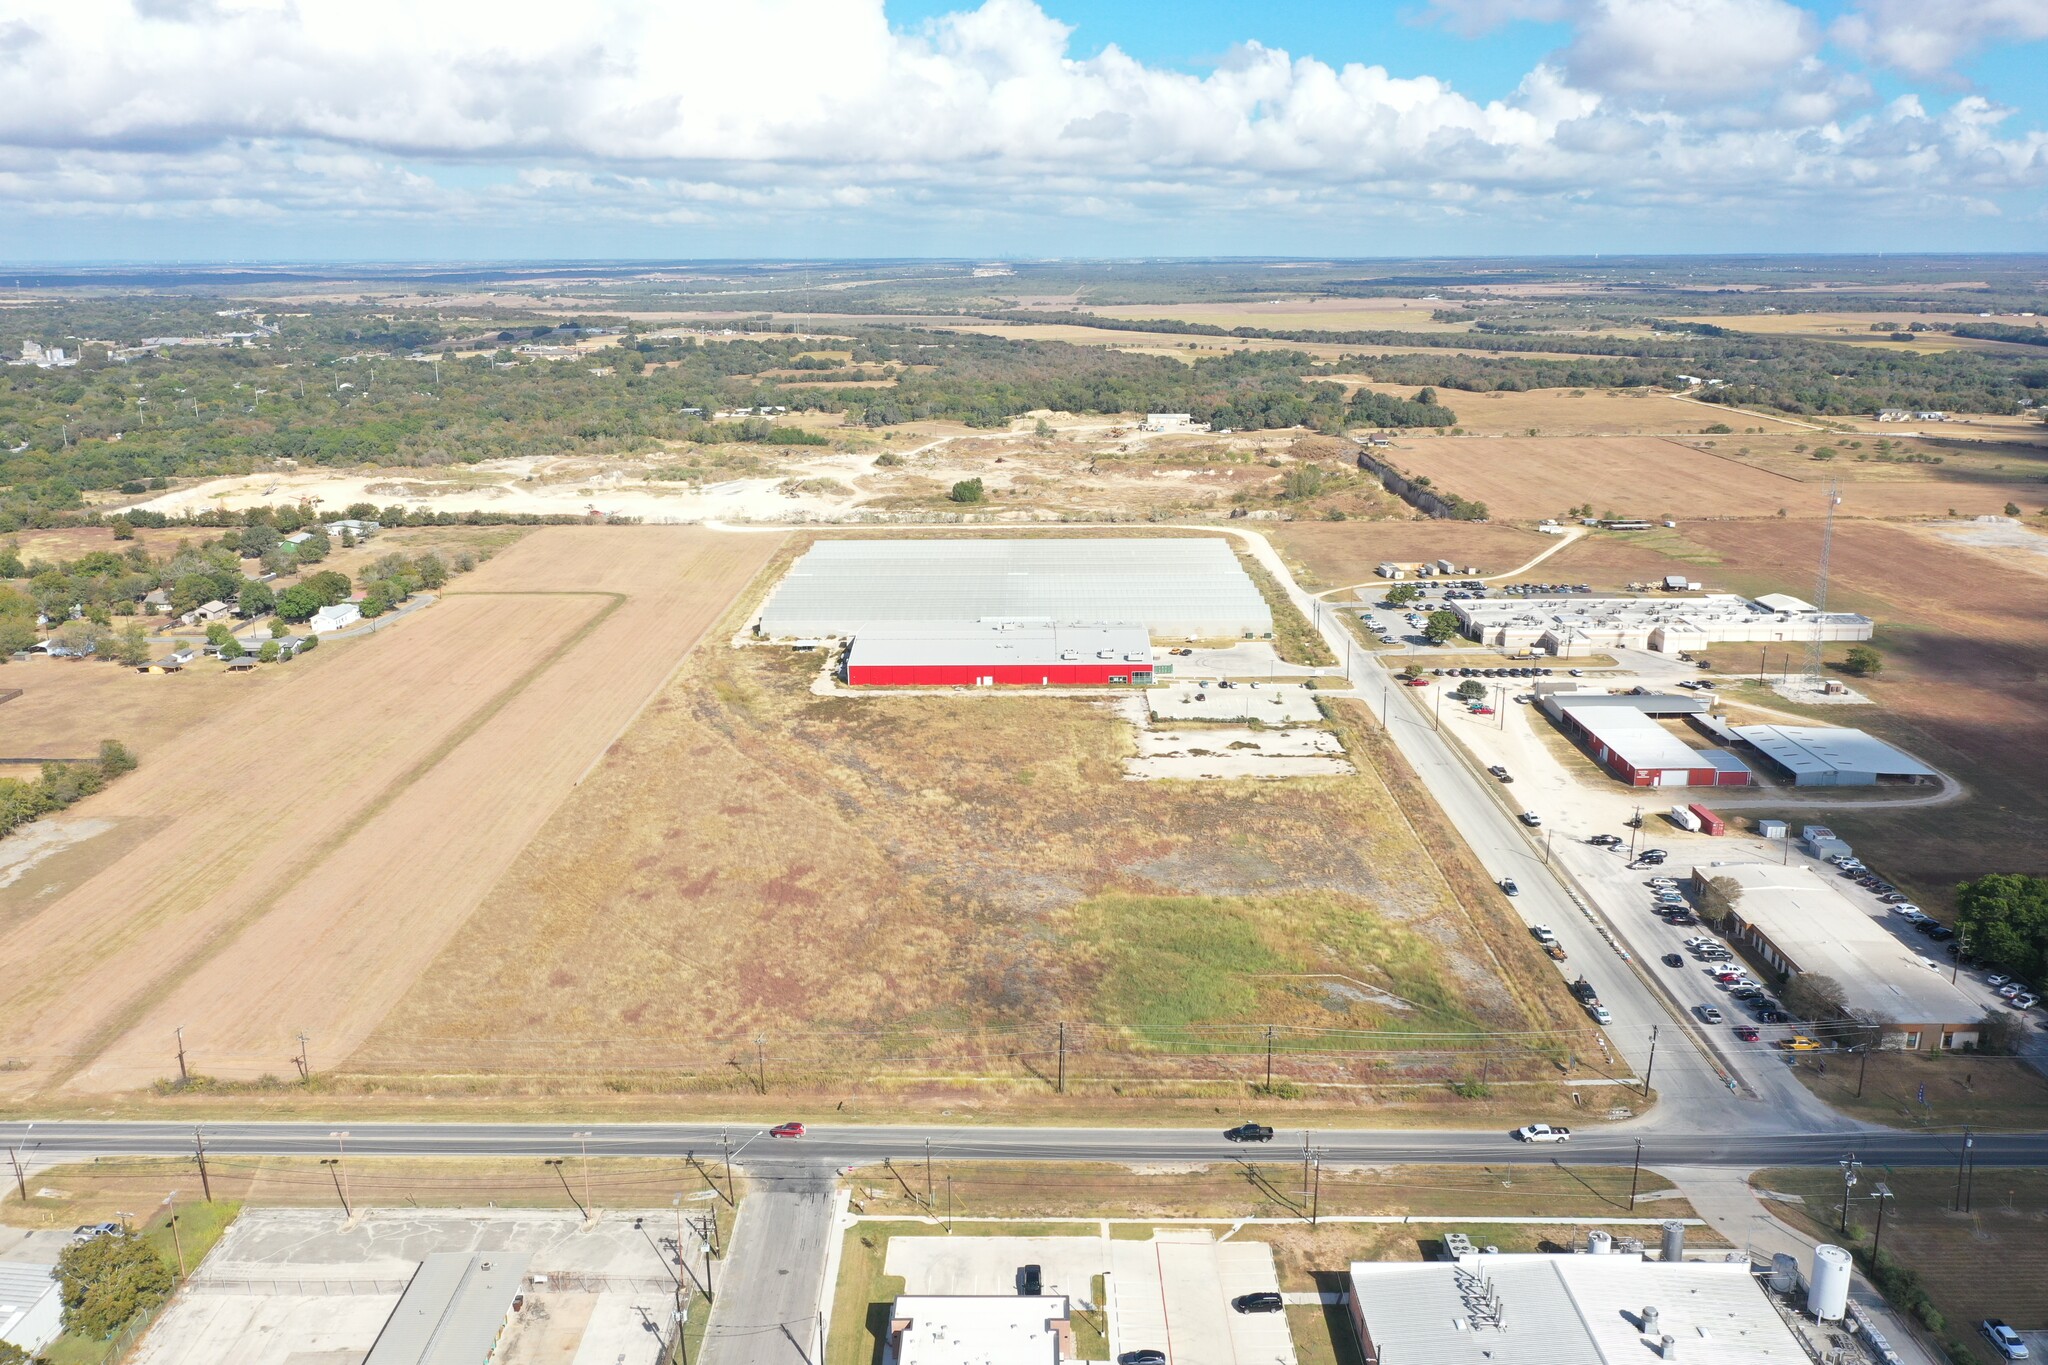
(1674, 1240)
(1827, 1293)
(1599, 1243)
(1784, 1272)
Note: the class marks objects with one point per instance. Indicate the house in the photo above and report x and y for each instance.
(156, 601)
(243, 664)
(298, 537)
(336, 617)
(360, 529)
(211, 611)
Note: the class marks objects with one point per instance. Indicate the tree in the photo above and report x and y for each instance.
(967, 490)
(1401, 594)
(299, 602)
(268, 654)
(190, 591)
(255, 599)
(1718, 899)
(430, 571)
(1302, 482)
(17, 633)
(1863, 661)
(231, 648)
(2012, 509)
(218, 633)
(10, 1354)
(1472, 689)
(1817, 998)
(115, 758)
(2001, 1033)
(278, 629)
(1441, 626)
(105, 1281)
(258, 541)
(2004, 918)
(131, 645)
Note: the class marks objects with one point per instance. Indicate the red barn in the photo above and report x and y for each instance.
(999, 653)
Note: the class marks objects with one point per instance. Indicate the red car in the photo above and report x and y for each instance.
(786, 1130)
(1747, 1033)
(1482, 710)
(1418, 682)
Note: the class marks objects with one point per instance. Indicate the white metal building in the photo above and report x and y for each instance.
(1565, 1310)
(980, 1329)
(1563, 625)
(1172, 585)
(453, 1311)
(1825, 756)
(31, 1306)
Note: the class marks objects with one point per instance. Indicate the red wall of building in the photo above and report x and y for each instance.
(1093, 672)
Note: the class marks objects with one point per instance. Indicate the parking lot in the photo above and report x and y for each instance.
(1171, 1293)
(299, 1286)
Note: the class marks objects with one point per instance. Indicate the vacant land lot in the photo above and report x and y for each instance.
(1640, 476)
(899, 886)
(1585, 412)
(1321, 315)
(1334, 554)
(311, 850)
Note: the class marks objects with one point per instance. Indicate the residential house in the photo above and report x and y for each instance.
(336, 617)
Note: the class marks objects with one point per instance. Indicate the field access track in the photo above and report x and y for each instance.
(316, 846)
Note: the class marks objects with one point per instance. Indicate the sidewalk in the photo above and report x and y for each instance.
(1723, 1198)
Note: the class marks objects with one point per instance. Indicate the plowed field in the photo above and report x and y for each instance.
(311, 849)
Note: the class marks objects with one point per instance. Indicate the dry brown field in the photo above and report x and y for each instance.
(1327, 315)
(884, 888)
(1855, 329)
(1647, 476)
(1583, 412)
(310, 850)
(1333, 554)
(71, 542)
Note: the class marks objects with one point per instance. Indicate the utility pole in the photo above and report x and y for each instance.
(1862, 1067)
(1650, 1067)
(1850, 1166)
(1963, 1152)
(177, 1241)
(1061, 1084)
(949, 1201)
(927, 1174)
(341, 1168)
(761, 1059)
(705, 1237)
(305, 1066)
(333, 1165)
(20, 1181)
(725, 1141)
(184, 1077)
(589, 1209)
(1962, 946)
(199, 1149)
(1305, 1156)
(1315, 1196)
(1882, 1193)
(1269, 1059)
(1635, 1175)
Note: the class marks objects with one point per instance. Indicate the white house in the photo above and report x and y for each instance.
(335, 617)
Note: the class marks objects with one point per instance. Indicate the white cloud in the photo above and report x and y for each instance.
(1926, 38)
(467, 111)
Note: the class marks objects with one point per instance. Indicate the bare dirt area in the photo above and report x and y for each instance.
(912, 891)
(1640, 476)
(1581, 412)
(316, 845)
(72, 542)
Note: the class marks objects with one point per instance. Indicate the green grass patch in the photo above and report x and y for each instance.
(1318, 959)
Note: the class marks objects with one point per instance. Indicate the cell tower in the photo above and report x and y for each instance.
(1815, 646)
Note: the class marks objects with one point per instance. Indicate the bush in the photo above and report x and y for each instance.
(1863, 661)
(967, 490)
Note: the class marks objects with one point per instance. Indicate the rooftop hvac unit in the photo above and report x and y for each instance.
(1105, 654)
(1069, 655)
(1827, 1296)
(1599, 1243)
(1784, 1272)
(1673, 1248)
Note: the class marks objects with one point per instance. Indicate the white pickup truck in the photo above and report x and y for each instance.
(1543, 1132)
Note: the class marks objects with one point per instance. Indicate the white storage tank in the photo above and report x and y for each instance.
(1827, 1293)
(1599, 1243)
(1784, 1273)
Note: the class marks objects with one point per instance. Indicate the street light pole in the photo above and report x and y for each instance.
(1850, 1166)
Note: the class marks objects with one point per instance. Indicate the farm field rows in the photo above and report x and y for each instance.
(311, 848)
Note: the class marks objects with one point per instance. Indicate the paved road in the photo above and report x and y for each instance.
(772, 1285)
(798, 1164)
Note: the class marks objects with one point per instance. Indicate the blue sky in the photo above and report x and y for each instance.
(492, 129)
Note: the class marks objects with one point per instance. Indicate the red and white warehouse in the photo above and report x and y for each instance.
(992, 654)
(1619, 732)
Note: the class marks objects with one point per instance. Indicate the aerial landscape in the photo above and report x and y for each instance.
(890, 684)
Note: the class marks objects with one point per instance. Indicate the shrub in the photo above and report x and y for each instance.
(967, 490)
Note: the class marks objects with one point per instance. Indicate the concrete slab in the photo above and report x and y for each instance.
(1228, 752)
(1256, 1338)
(1286, 704)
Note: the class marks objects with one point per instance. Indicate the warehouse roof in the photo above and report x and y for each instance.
(980, 1329)
(902, 645)
(1823, 749)
(1185, 585)
(1823, 931)
(1649, 703)
(452, 1311)
(1548, 1309)
(1638, 740)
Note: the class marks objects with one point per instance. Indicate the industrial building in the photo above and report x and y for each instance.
(453, 1310)
(1825, 756)
(980, 1329)
(31, 1305)
(1539, 1309)
(985, 654)
(1797, 922)
(1178, 586)
(1620, 732)
(1566, 626)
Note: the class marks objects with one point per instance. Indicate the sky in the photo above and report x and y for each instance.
(381, 130)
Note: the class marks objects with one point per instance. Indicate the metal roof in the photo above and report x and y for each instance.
(1186, 585)
(899, 645)
(1812, 749)
(1639, 741)
(452, 1311)
(980, 1329)
(22, 1283)
(1823, 931)
(1553, 1309)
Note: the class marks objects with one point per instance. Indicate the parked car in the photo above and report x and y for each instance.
(1148, 1356)
(1508, 887)
(1030, 1281)
(1265, 1301)
(790, 1129)
(1249, 1132)
(2025, 1000)
(1542, 1132)
(1498, 771)
(1605, 840)
(1531, 819)
(85, 1232)
(2003, 1339)
(1673, 960)
(1996, 979)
